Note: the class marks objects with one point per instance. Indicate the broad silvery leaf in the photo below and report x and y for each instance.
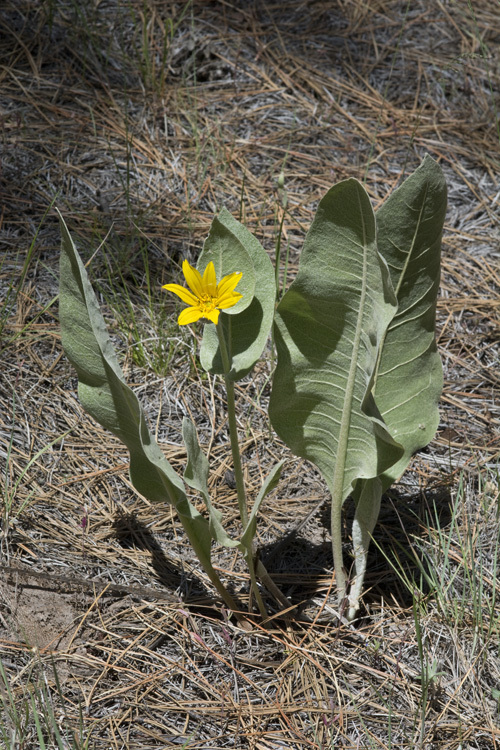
(409, 377)
(329, 327)
(107, 398)
(246, 333)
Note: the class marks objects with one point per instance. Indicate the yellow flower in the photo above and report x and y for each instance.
(207, 297)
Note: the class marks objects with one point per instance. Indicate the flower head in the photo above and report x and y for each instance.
(207, 297)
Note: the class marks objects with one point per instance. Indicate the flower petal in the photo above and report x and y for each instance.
(189, 315)
(228, 300)
(228, 283)
(209, 280)
(182, 292)
(193, 278)
(213, 316)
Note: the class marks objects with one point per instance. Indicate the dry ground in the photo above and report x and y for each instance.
(139, 120)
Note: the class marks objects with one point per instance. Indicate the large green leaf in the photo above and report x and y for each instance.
(329, 326)
(247, 332)
(409, 377)
(107, 398)
(409, 380)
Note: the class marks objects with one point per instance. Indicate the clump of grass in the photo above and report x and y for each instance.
(457, 562)
(10, 293)
(153, 38)
(10, 510)
(452, 578)
(35, 715)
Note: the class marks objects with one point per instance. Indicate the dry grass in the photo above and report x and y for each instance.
(140, 119)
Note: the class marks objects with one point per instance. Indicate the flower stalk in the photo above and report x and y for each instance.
(237, 467)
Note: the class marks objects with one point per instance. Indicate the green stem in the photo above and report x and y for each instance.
(237, 468)
(233, 430)
(253, 581)
(277, 261)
